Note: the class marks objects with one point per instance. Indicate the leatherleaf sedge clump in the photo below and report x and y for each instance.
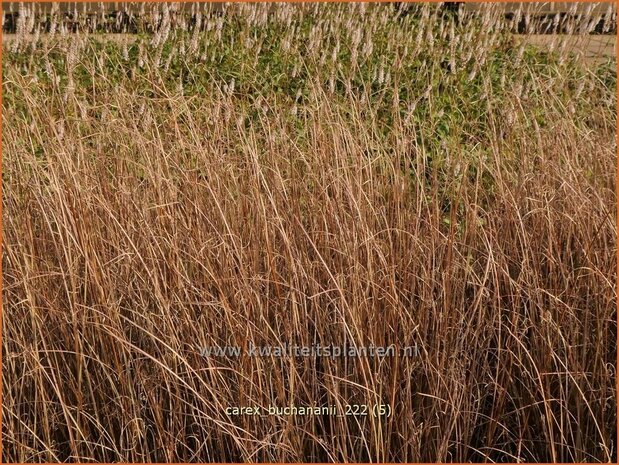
(183, 180)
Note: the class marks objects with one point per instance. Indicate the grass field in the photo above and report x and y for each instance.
(336, 175)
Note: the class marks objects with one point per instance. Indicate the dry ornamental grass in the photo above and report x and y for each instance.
(337, 175)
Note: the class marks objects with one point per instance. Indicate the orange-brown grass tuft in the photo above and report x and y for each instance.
(458, 197)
